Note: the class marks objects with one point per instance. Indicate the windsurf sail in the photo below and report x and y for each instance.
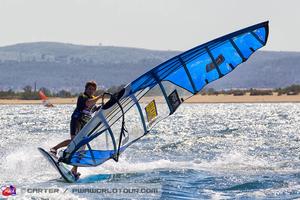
(44, 99)
(131, 113)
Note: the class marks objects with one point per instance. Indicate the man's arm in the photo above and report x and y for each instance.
(91, 102)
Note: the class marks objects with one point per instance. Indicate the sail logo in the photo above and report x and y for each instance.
(8, 190)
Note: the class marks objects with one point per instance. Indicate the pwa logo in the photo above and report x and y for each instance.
(8, 190)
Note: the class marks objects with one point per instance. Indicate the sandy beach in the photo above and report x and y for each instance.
(195, 99)
(52, 100)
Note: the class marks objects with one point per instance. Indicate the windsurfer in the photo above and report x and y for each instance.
(80, 116)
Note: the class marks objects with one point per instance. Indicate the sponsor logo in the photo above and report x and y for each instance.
(8, 190)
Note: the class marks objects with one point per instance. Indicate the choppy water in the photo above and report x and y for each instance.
(215, 151)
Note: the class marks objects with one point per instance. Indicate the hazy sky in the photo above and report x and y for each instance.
(152, 24)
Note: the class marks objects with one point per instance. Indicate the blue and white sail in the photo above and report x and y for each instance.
(131, 113)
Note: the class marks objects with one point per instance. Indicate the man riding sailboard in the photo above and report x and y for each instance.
(132, 112)
(85, 106)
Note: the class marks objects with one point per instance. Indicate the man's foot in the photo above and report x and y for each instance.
(53, 151)
(76, 175)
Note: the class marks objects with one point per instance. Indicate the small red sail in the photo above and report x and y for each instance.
(42, 95)
(44, 99)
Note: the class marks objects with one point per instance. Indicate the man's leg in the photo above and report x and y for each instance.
(62, 144)
(74, 125)
(78, 127)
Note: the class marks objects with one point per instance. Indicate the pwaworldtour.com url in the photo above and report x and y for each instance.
(95, 191)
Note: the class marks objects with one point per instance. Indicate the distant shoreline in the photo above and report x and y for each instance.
(195, 99)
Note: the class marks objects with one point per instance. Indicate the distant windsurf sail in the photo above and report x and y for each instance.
(131, 113)
(44, 99)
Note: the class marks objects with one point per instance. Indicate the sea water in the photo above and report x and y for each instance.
(203, 151)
